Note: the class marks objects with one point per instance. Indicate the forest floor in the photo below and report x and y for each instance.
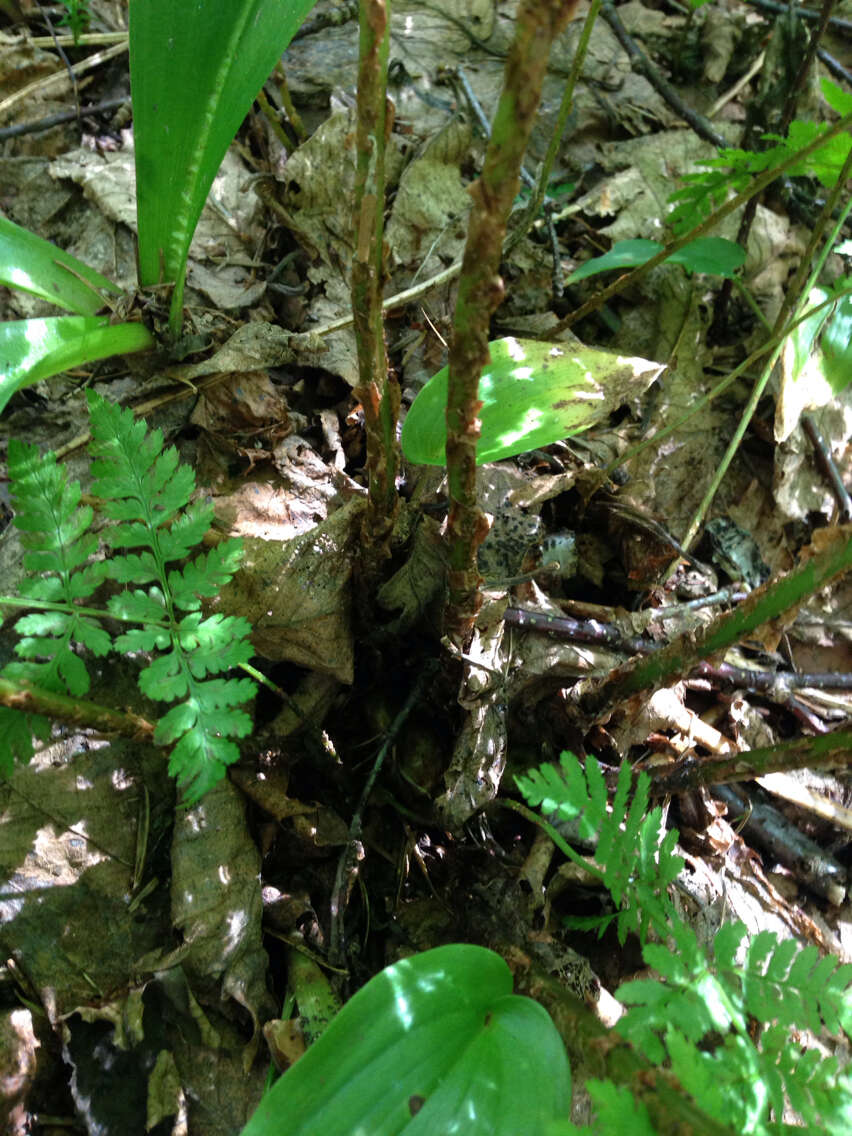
(147, 946)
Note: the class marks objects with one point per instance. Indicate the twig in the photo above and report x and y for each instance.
(802, 13)
(593, 697)
(640, 62)
(46, 17)
(56, 77)
(606, 635)
(830, 751)
(768, 829)
(827, 464)
(59, 119)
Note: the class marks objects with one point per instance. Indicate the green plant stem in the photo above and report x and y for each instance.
(547, 827)
(722, 386)
(378, 393)
(760, 385)
(593, 697)
(293, 116)
(757, 185)
(749, 299)
(75, 711)
(480, 292)
(827, 751)
(73, 609)
(565, 108)
(269, 113)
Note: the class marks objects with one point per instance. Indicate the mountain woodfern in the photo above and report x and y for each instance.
(145, 497)
(725, 1026)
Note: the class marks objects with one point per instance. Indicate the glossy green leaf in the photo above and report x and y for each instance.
(35, 265)
(194, 71)
(836, 343)
(436, 1043)
(713, 255)
(623, 254)
(532, 393)
(816, 363)
(38, 348)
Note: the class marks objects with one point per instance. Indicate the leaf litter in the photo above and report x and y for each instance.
(139, 929)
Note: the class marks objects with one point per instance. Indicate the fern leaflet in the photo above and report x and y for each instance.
(147, 493)
(638, 885)
(54, 533)
(76, 18)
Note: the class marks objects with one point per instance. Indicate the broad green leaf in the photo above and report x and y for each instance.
(194, 70)
(816, 363)
(532, 393)
(836, 344)
(713, 255)
(836, 97)
(35, 349)
(623, 254)
(436, 1043)
(35, 265)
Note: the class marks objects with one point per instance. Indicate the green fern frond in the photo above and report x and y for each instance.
(147, 492)
(733, 168)
(58, 546)
(816, 1086)
(76, 18)
(694, 1018)
(617, 1111)
(786, 983)
(637, 884)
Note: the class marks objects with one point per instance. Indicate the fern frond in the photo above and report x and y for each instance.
(789, 984)
(638, 885)
(816, 1086)
(617, 1111)
(727, 1082)
(57, 549)
(147, 492)
(76, 17)
(695, 1016)
(691, 998)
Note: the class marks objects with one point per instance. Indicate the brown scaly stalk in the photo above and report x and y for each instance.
(378, 394)
(481, 290)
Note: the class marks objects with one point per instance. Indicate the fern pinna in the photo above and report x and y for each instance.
(146, 494)
(702, 1017)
